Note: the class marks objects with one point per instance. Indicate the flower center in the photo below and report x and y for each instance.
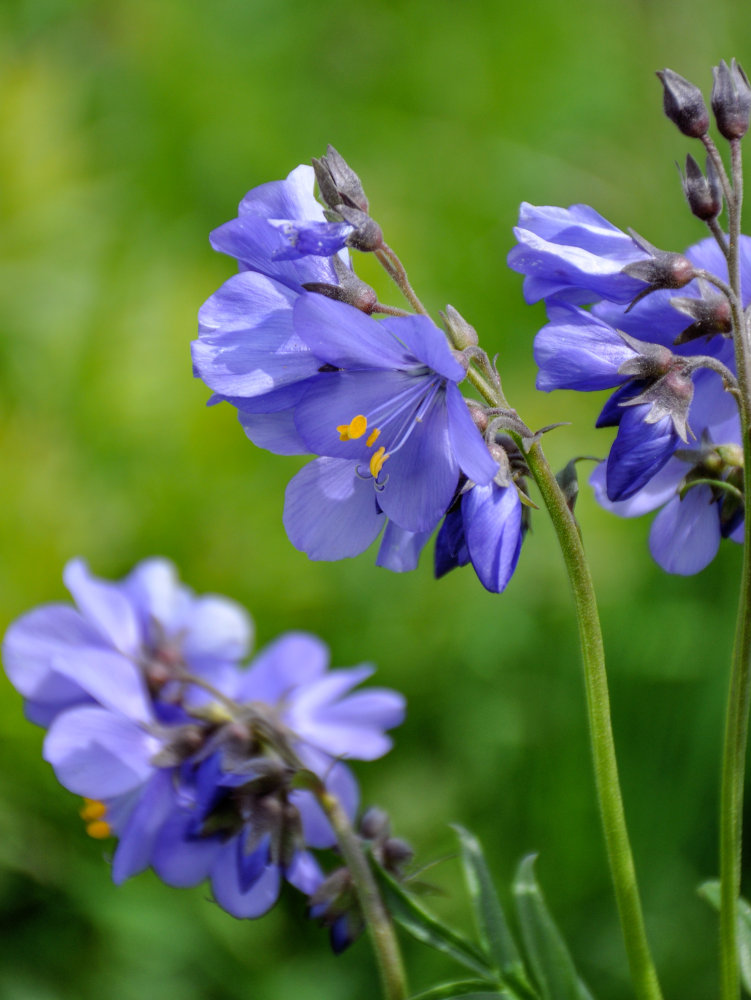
(395, 419)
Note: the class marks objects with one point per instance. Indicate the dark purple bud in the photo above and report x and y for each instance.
(367, 235)
(375, 823)
(661, 269)
(338, 182)
(711, 315)
(703, 193)
(684, 104)
(731, 99)
(351, 289)
(396, 853)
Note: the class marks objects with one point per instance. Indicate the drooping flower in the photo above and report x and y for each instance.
(390, 424)
(573, 254)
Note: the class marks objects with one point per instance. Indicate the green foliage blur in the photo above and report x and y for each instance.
(128, 130)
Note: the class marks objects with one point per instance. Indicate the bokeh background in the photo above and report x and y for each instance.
(128, 130)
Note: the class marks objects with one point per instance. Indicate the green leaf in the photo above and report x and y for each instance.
(495, 936)
(711, 892)
(468, 989)
(491, 920)
(548, 956)
(421, 924)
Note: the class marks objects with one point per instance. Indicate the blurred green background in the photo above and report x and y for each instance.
(128, 130)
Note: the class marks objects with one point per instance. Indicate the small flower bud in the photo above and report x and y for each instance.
(731, 99)
(459, 330)
(375, 823)
(661, 269)
(684, 104)
(351, 289)
(703, 193)
(367, 235)
(711, 315)
(338, 182)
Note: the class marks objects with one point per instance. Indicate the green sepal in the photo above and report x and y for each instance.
(492, 926)
(421, 924)
(548, 956)
(711, 892)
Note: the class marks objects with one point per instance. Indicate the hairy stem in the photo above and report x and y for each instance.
(736, 720)
(642, 967)
(643, 972)
(398, 274)
(380, 928)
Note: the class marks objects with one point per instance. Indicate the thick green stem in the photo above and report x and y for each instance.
(643, 971)
(736, 722)
(380, 928)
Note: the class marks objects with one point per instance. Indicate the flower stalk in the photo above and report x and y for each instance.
(736, 722)
(380, 927)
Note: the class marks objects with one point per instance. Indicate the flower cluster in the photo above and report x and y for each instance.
(292, 342)
(201, 768)
(615, 322)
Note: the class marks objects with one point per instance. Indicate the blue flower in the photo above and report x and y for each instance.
(124, 644)
(390, 423)
(247, 350)
(573, 253)
(190, 761)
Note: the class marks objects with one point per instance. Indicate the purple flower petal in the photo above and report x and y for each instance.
(656, 492)
(493, 529)
(304, 873)
(344, 337)
(400, 550)
(227, 891)
(329, 512)
(181, 859)
(99, 754)
(639, 451)
(137, 839)
(276, 432)
(467, 442)
(104, 605)
(685, 535)
(576, 351)
(293, 660)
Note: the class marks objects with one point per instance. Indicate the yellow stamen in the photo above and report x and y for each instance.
(354, 429)
(376, 461)
(92, 809)
(374, 434)
(99, 830)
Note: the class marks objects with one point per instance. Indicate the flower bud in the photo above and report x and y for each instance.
(703, 193)
(711, 315)
(684, 104)
(338, 182)
(661, 269)
(461, 333)
(367, 235)
(351, 289)
(731, 99)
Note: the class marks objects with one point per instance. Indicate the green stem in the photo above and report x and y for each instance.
(380, 928)
(736, 720)
(643, 972)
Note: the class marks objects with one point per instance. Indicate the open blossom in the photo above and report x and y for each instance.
(390, 423)
(189, 760)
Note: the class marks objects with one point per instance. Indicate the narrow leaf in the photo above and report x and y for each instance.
(547, 953)
(711, 892)
(491, 920)
(468, 989)
(421, 924)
